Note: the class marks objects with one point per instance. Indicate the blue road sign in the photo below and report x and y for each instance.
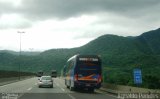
(137, 76)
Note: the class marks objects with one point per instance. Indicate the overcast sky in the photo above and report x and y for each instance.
(72, 23)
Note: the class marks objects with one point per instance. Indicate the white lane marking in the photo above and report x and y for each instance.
(60, 86)
(71, 96)
(29, 88)
(20, 95)
(62, 89)
(4, 86)
(56, 83)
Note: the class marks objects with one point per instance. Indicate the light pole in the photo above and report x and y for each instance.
(20, 32)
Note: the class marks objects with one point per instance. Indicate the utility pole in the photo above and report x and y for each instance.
(20, 44)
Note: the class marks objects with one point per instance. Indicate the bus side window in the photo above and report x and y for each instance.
(71, 65)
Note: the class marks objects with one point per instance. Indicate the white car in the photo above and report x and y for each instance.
(45, 81)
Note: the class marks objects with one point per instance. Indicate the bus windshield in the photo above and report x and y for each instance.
(88, 68)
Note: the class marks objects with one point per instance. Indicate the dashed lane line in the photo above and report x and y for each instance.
(29, 88)
(72, 97)
(20, 96)
(35, 84)
(57, 84)
(62, 89)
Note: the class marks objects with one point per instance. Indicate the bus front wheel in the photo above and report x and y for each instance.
(67, 86)
(71, 88)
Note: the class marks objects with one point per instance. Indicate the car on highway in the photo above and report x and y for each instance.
(45, 81)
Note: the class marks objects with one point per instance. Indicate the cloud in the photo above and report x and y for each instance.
(5, 8)
(14, 21)
(60, 9)
(77, 20)
(38, 10)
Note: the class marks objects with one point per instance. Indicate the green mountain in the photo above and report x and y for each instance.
(149, 42)
(120, 55)
(27, 53)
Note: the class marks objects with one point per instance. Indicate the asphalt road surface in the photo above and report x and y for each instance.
(28, 89)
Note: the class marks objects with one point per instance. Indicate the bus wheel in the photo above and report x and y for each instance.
(67, 86)
(71, 88)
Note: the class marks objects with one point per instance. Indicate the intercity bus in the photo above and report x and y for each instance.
(83, 71)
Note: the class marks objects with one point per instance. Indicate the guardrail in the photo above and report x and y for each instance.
(4, 81)
(115, 89)
(7, 80)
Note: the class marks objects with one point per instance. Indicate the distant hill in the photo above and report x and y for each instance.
(149, 42)
(27, 53)
(120, 55)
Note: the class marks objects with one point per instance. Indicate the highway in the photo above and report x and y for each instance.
(28, 89)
